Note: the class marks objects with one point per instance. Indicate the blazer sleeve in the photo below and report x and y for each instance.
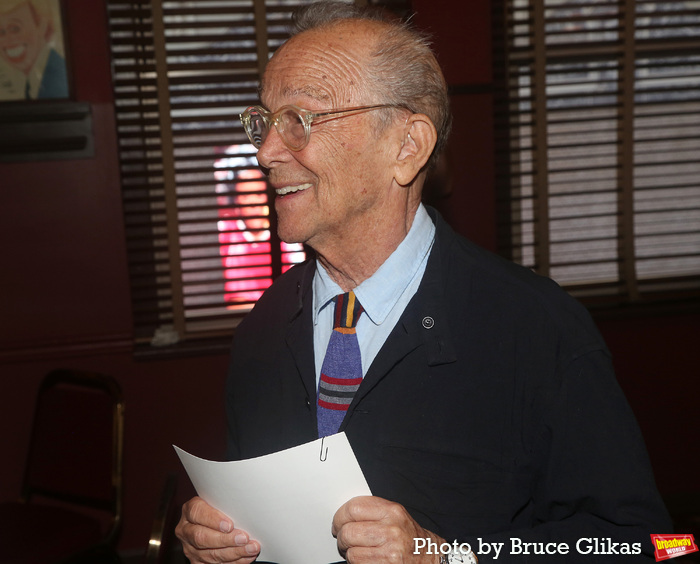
(595, 491)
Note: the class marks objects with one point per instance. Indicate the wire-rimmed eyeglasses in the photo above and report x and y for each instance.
(292, 122)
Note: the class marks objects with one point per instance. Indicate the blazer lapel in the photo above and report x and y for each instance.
(299, 336)
(424, 323)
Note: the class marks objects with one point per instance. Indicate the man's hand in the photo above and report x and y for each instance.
(208, 536)
(371, 530)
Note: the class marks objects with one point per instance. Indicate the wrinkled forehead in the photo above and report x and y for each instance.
(319, 67)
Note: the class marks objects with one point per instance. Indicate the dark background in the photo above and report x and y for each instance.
(64, 299)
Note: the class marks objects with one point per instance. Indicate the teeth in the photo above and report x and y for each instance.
(14, 52)
(292, 189)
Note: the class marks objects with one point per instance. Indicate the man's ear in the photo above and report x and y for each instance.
(417, 143)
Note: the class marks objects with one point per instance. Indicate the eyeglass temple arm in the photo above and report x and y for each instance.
(352, 110)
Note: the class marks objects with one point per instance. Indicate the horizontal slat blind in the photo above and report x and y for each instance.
(200, 240)
(599, 143)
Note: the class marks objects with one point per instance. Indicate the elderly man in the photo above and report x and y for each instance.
(478, 397)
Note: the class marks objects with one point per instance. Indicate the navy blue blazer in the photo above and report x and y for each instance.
(491, 411)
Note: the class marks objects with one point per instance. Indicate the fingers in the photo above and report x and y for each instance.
(368, 534)
(371, 529)
(209, 536)
(362, 508)
(199, 512)
(363, 555)
(238, 555)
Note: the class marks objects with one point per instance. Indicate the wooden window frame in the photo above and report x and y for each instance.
(626, 41)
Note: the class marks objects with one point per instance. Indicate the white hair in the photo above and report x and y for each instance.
(403, 69)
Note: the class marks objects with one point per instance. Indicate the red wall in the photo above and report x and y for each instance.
(656, 361)
(65, 297)
(463, 44)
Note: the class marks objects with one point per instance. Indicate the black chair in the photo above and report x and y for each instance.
(70, 506)
(163, 530)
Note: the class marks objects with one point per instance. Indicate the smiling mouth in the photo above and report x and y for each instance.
(15, 52)
(283, 191)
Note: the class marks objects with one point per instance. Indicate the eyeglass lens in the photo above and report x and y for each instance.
(257, 128)
(290, 126)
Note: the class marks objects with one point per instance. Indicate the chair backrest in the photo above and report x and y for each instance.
(76, 449)
(162, 532)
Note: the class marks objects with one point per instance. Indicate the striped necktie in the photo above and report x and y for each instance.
(341, 372)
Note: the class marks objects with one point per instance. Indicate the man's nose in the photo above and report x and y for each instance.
(273, 149)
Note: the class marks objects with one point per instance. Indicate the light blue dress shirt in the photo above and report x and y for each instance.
(384, 296)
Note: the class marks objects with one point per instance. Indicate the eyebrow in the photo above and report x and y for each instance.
(308, 91)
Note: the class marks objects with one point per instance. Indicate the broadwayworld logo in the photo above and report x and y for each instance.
(672, 546)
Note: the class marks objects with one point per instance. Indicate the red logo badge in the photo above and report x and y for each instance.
(671, 546)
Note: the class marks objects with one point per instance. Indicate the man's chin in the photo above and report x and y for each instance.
(289, 236)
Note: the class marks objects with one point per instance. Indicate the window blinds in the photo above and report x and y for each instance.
(201, 241)
(598, 158)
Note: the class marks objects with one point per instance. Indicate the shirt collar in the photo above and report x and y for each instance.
(381, 291)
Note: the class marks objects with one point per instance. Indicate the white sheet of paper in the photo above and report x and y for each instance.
(285, 500)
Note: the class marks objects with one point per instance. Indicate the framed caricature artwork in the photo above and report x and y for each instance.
(32, 51)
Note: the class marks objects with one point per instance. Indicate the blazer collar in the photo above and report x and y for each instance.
(424, 323)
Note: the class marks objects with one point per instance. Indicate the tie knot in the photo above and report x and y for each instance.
(347, 311)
